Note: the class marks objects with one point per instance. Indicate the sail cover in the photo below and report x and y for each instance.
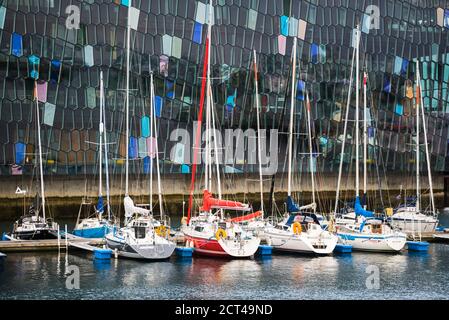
(131, 209)
(211, 203)
(247, 217)
(360, 211)
(292, 206)
(100, 205)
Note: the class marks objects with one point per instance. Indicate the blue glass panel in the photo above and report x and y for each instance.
(169, 86)
(446, 18)
(387, 84)
(397, 65)
(314, 51)
(185, 168)
(323, 140)
(33, 62)
(2, 17)
(197, 32)
(159, 104)
(132, 148)
(300, 88)
(145, 124)
(20, 152)
(55, 71)
(146, 165)
(284, 25)
(16, 47)
(404, 67)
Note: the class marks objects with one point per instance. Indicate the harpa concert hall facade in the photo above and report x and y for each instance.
(42, 42)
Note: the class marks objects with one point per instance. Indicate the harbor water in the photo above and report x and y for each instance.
(406, 275)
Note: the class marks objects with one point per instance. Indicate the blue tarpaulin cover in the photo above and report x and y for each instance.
(360, 211)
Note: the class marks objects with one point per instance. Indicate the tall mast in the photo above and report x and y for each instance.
(159, 187)
(208, 175)
(429, 173)
(345, 128)
(365, 139)
(217, 164)
(106, 164)
(197, 142)
(417, 103)
(128, 44)
(259, 137)
(100, 130)
(151, 138)
(41, 170)
(357, 133)
(292, 112)
(309, 132)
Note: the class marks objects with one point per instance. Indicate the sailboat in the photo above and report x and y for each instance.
(95, 225)
(209, 233)
(412, 219)
(142, 236)
(365, 231)
(300, 231)
(33, 225)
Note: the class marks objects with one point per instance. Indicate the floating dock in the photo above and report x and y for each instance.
(48, 245)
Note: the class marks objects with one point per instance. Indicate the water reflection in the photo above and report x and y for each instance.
(407, 275)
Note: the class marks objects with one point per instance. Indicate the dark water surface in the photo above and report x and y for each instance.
(402, 276)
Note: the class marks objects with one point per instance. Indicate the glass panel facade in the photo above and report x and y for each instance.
(168, 40)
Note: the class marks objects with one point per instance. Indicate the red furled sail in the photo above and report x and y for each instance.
(250, 216)
(211, 203)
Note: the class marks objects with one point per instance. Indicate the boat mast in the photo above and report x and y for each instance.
(417, 103)
(429, 173)
(309, 132)
(197, 142)
(128, 41)
(208, 175)
(345, 128)
(151, 138)
(41, 171)
(259, 153)
(365, 139)
(158, 171)
(357, 133)
(105, 149)
(292, 112)
(100, 130)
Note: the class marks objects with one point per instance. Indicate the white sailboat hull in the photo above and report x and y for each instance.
(302, 243)
(413, 223)
(240, 248)
(378, 243)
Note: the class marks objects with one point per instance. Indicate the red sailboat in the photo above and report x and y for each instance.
(209, 233)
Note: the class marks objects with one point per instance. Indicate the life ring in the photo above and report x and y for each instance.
(162, 231)
(220, 234)
(297, 228)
